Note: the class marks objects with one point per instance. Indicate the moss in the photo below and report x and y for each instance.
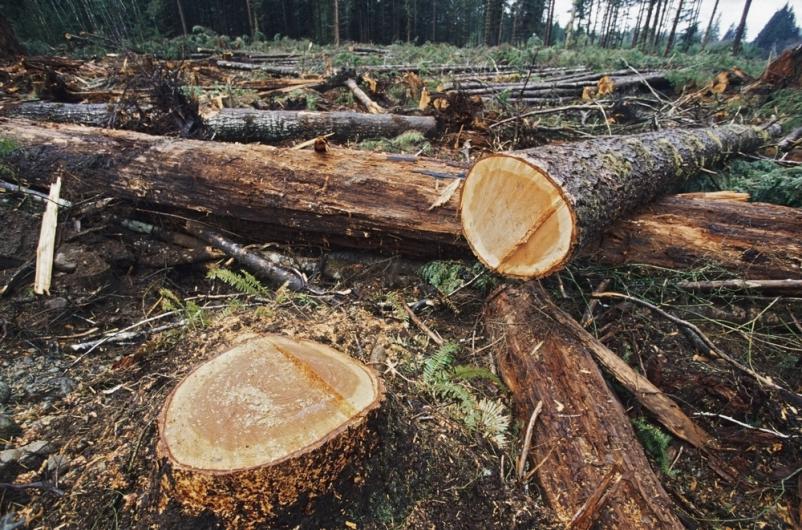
(671, 151)
(620, 165)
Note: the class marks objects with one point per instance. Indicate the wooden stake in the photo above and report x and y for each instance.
(47, 241)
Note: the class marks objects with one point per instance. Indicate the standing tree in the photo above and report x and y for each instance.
(706, 38)
(779, 31)
(336, 8)
(9, 46)
(673, 33)
(739, 33)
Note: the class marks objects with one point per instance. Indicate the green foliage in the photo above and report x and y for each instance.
(243, 282)
(448, 276)
(785, 104)
(192, 312)
(780, 31)
(410, 142)
(763, 180)
(485, 416)
(7, 146)
(656, 443)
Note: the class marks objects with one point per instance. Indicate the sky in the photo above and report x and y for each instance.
(760, 13)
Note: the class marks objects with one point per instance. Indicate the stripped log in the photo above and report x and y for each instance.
(527, 213)
(575, 85)
(243, 125)
(583, 430)
(755, 240)
(356, 198)
(258, 431)
(288, 71)
(372, 106)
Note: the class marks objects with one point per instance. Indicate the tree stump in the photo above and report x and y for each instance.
(257, 432)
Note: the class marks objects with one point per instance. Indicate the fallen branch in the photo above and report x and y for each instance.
(762, 379)
(584, 518)
(785, 286)
(372, 106)
(47, 241)
(530, 429)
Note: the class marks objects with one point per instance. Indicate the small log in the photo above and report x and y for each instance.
(372, 106)
(583, 431)
(253, 433)
(527, 213)
(286, 71)
(754, 240)
(242, 125)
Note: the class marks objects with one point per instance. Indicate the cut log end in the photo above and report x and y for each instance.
(272, 421)
(516, 219)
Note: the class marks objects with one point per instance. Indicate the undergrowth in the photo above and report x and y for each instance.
(448, 276)
(763, 180)
(656, 443)
(449, 382)
(409, 142)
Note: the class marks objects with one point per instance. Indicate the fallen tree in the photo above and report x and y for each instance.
(361, 199)
(756, 240)
(527, 213)
(582, 433)
(258, 430)
(369, 200)
(241, 125)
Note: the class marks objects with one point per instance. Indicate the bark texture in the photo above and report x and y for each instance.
(598, 181)
(359, 199)
(756, 240)
(582, 432)
(243, 125)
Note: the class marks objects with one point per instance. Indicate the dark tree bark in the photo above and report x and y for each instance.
(242, 125)
(673, 33)
(526, 213)
(739, 33)
(583, 432)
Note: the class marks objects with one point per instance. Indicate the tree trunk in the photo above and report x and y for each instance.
(255, 432)
(583, 432)
(270, 69)
(673, 33)
(549, 24)
(9, 45)
(336, 8)
(755, 240)
(526, 213)
(739, 33)
(372, 106)
(706, 38)
(353, 198)
(181, 17)
(242, 125)
(577, 83)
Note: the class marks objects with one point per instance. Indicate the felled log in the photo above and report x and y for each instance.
(270, 69)
(582, 431)
(526, 213)
(561, 87)
(355, 198)
(372, 106)
(265, 426)
(756, 240)
(243, 125)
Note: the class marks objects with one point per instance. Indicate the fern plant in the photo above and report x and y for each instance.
(442, 380)
(656, 443)
(192, 312)
(243, 282)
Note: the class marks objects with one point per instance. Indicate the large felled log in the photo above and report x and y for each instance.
(258, 429)
(527, 213)
(366, 200)
(575, 85)
(756, 240)
(582, 431)
(243, 125)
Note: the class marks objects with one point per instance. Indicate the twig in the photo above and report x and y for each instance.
(36, 195)
(423, 327)
(39, 485)
(768, 285)
(742, 424)
(765, 380)
(128, 335)
(530, 429)
(84, 345)
(307, 143)
(584, 518)
(587, 317)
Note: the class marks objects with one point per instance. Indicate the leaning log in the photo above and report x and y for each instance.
(259, 430)
(241, 125)
(756, 240)
(355, 198)
(527, 213)
(582, 432)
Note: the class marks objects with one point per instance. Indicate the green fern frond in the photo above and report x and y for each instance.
(656, 443)
(439, 362)
(469, 372)
(243, 282)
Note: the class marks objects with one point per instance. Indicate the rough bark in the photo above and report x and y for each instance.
(527, 213)
(755, 240)
(254, 433)
(355, 198)
(582, 431)
(244, 125)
